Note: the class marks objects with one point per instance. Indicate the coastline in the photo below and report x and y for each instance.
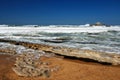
(70, 67)
(111, 58)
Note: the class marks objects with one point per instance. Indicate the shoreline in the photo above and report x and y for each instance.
(111, 58)
(70, 67)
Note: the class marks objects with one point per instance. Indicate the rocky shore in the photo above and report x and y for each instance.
(45, 62)
(112, 58)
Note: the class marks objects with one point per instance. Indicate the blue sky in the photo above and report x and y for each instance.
(59, 11)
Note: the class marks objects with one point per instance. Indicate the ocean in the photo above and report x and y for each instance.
(97, 38)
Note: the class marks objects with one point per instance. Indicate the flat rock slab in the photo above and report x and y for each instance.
(79, 53)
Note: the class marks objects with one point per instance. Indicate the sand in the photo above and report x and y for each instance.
(69, 69)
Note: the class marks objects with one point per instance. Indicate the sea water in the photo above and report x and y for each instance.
(98, 38)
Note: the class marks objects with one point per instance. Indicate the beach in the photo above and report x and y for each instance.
(69, 70)
(59, 40)
(70, 53)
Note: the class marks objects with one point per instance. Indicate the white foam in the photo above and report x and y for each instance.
(53, 29)
(19, 49)
(36, 34)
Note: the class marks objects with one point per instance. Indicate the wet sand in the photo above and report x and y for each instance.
(69, 69)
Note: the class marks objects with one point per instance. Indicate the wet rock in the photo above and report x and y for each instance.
(78, 53)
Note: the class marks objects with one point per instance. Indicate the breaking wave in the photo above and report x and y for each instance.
(104, 39)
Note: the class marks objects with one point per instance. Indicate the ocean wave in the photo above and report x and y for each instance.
(56, 29)
(79, 36)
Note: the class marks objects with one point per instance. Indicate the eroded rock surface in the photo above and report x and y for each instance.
(112, 58)
(29, 65)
